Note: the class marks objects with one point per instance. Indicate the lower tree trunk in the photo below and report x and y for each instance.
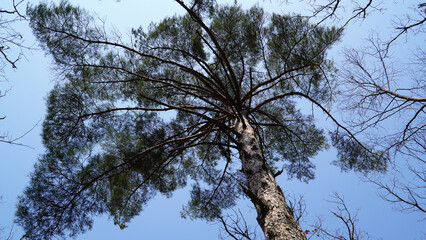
(273, 214)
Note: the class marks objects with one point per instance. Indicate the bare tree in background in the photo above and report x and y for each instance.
(10, 39)
(349, 219)
(234, 226)
(385, 86)
(390, 105)
(11, 51)
(384, 91)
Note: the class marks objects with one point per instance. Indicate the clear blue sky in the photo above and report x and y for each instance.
(24, 107)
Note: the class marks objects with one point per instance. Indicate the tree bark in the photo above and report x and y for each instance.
(273, 214)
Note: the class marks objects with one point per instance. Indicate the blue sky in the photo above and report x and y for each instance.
(24, 107)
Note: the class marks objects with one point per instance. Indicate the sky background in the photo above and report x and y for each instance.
(24, 107)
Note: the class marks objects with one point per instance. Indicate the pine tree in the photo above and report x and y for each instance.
(208, 97)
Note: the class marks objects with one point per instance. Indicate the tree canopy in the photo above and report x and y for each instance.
(131, 119)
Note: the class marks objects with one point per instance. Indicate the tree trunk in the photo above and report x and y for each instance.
(273, 214)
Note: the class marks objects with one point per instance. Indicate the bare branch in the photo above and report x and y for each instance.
(236, 227)
(407, 197)
(14, 141)
(348, 219)
(298, 206)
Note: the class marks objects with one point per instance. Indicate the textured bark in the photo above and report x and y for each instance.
(273, 214)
